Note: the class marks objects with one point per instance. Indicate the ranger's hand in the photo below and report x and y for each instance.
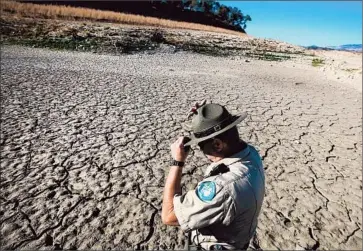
(178, 151)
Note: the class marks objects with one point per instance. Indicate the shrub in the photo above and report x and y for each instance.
(157, 37)
(317, 62)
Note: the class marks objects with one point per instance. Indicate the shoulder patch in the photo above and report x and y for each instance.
(206, 190)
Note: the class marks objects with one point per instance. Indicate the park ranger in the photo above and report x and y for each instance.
(222, 212)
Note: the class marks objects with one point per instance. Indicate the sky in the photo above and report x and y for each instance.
(322, 23)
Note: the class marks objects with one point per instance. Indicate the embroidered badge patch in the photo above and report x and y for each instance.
(206, 190)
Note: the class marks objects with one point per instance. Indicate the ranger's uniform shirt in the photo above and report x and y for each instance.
(224, 208)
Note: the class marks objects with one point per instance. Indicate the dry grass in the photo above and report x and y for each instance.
(75, 13)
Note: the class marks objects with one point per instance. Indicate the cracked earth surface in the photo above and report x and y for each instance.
(85, 148)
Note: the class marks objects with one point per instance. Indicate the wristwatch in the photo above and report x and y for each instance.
(177, 163)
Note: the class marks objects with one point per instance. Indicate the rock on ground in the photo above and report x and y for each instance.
(85, 148)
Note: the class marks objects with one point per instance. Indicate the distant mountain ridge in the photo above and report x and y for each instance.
(344, 47)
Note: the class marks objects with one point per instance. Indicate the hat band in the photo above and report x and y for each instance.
(214, 129)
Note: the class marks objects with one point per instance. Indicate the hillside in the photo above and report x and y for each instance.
(207, 12)
(110, 32)
(63, 12)
(344, 47)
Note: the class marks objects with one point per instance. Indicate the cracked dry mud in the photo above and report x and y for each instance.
(85, 148)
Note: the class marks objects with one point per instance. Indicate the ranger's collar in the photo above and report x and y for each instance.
(228, 161)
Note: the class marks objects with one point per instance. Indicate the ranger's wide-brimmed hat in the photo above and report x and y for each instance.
(210, 120)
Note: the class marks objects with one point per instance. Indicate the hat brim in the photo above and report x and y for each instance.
(238, 119)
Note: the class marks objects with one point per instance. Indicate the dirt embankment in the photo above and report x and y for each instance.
(117, 38)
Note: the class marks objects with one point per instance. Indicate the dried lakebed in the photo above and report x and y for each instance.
(85, 148)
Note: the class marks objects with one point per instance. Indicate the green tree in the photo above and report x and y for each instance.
(196, 5)
(216, 7)
(230, 15)
(208, 5)
(236, 16)
(238, 19)
(246, 19)
(223, 13)
(187, 4)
